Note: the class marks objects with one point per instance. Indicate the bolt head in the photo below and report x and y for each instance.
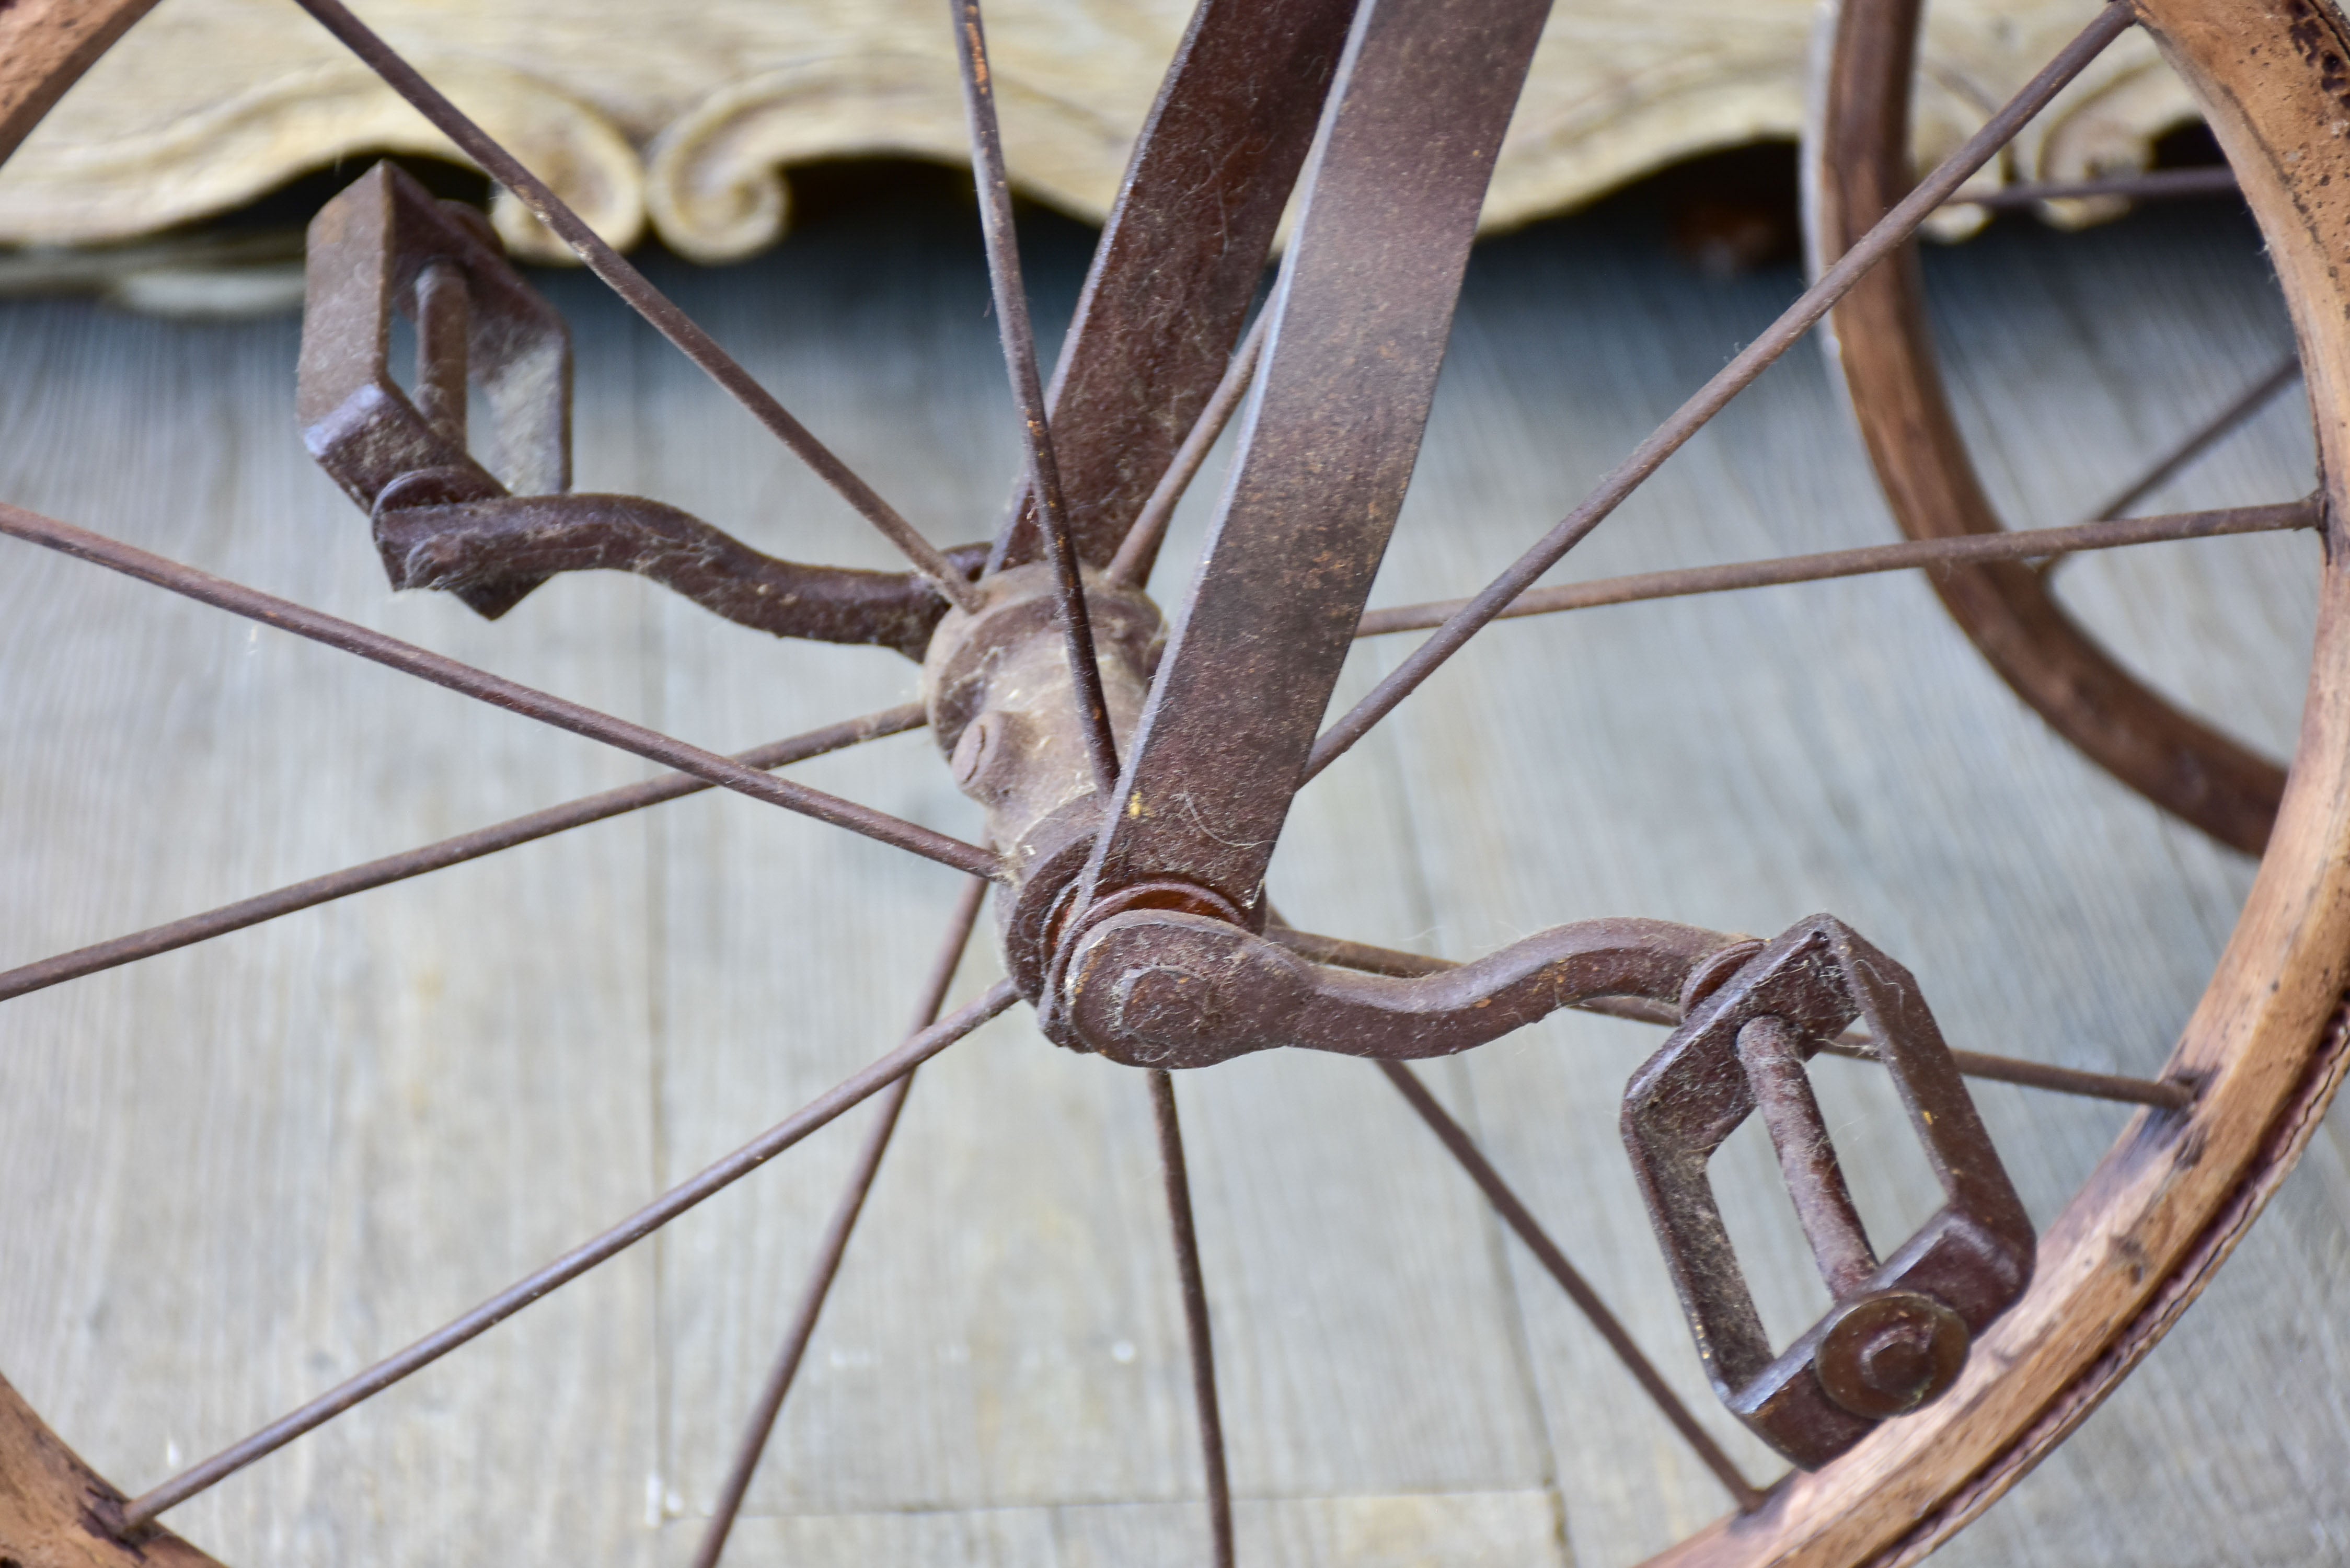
(1889, 1352)
(1159, 1009)
(970, 751)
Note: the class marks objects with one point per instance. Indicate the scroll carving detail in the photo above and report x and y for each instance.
(682, 127)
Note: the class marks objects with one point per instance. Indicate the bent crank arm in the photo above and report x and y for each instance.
(461, 545)
(1154, 988)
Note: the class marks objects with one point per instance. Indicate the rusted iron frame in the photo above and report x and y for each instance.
(1909, 554)
(710, 1180)
(1239, 100)
(1018, 336)
(1004, 715)
(496, 691)
(441, 518)
(316, 890)
(1196, 1325)
(2163, 1094)
(1159, 987)
(1360, 312)
(1136, 552)
(2153, 185)
(1521, 1219)
(638, 292)
(1156, 986)
(837, 1233)
(1881, 241)
(1179, 259)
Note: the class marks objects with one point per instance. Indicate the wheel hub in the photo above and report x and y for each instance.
(1004, 711)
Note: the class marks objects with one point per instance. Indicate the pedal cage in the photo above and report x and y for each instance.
(1899, 1333)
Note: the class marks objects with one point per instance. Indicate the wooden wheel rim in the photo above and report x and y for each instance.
(2267, 1042)
(1859, 160)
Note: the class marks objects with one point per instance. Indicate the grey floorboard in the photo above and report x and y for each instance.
(245, 1170)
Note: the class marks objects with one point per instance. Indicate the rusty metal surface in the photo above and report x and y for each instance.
(1179, 259)
(997, 688)
(385, 244)
(1886, 355)
(1019, 341)
(1141, 545)
(1773, 1059)
(1883, 239)
(459, 546)
(2163, 1093)
(1887, 1344)
(1360, 316)
(1928, 555)
(1158, 988)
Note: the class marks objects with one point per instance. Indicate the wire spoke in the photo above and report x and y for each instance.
(2153, 185)
(1363, 956)
(1019, 337)
(1520, 1219)
(1961, 549)
(637, 291)
(316, 890)
(1142, 541)
(1889, 233)
(1195, 1312)
(836, 1239)
(495, 689)
(2160, 1093)
(712, 1179)
(2203, 437)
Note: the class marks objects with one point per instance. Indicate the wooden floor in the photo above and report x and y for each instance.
(234, 1174)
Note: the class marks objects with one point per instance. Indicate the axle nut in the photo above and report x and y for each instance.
(1889, 1352)
(1159, 1011)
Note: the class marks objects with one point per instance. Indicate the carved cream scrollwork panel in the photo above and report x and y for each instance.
(682, 122)
(715, 185)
